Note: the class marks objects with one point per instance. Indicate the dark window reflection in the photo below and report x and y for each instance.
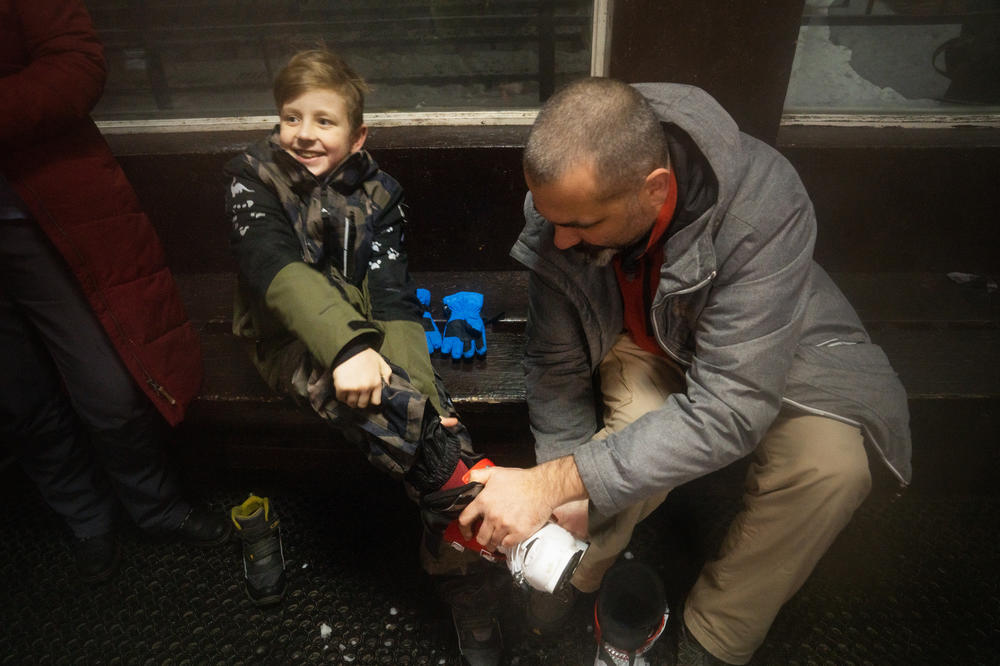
(208, 58)
(897, 55)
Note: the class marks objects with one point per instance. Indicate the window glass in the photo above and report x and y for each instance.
(887, 56)
(217, 58)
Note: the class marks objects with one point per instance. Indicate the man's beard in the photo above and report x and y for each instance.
(595, 255)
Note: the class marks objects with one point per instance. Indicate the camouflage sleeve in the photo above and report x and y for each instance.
(319, 314)
(270, 261)
(260, 238)
(393, 292)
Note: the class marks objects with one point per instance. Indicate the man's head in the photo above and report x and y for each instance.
(597, 165)
(321, 103)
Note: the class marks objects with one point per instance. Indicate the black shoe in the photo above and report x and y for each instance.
(630, 615)
(691, 653)
(549, 614)
(97, 557)
(479, 639)
(201, 527)
(263, 558)
(476, 600)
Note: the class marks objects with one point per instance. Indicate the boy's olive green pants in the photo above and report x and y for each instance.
(389, 435)
(291, 370)
(807, 477)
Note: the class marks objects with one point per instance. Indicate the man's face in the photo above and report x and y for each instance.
(585, 221)
(316, 131)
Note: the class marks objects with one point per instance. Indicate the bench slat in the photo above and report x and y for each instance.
(943, 340)
(883, 299)
(209, 296)
(932, 363)
(495, 379)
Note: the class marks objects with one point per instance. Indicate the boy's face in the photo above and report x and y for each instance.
(315, 130)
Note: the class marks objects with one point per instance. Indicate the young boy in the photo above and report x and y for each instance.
(325, 294)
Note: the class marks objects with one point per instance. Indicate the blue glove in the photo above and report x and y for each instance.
(464, 332)
(430, 328)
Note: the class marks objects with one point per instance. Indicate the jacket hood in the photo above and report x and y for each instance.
(712, 129)
(715, 134)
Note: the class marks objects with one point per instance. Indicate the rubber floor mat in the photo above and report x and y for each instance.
(912, 580)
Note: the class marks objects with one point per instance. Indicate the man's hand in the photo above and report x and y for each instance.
(358, 380)
(516, 503)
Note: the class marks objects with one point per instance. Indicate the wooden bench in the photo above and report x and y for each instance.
(245, 424)
(941, 337)
(887, 244)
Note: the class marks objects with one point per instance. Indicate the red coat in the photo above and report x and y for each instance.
(51, 75)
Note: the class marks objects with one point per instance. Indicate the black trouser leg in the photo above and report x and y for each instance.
(123, 426)
(135, 461)
(47, 438)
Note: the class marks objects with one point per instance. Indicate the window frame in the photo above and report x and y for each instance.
(704, 44)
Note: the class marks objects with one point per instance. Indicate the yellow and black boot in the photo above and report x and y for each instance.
(263, 559)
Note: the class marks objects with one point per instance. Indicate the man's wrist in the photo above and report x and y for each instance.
(561, 481)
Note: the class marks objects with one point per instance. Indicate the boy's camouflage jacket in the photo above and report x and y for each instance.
(319, 258)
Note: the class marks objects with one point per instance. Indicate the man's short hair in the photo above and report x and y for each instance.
(321, 69)
(602, 121)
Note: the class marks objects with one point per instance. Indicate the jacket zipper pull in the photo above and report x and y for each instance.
(647, 303)
(162, 392)
(348, 223)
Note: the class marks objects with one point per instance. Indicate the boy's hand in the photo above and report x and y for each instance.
(573, 517)
(358, 380)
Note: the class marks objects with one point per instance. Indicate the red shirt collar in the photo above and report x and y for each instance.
(665, 215)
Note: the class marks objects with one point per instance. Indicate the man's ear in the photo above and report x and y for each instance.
(360, 135)
(657, 187)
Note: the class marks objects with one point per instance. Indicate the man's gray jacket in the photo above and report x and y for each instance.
(741, 304)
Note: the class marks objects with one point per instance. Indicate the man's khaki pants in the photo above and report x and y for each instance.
(807, 477)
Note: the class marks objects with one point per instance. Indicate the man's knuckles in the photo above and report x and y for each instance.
(481, 475)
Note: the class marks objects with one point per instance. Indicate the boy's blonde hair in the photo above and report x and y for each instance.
(322, 69)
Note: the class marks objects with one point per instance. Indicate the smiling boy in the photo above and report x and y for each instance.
(318, 233)
(317, 130)
(325, 298)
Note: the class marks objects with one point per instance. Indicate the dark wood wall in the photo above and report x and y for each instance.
(741, 52)
(902, 201)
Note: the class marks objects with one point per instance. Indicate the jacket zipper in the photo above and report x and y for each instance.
(348, 223)
(654, 320)
(646, 301)
(805, 408)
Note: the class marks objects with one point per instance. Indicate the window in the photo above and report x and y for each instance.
(176, 59)
(897, 57)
